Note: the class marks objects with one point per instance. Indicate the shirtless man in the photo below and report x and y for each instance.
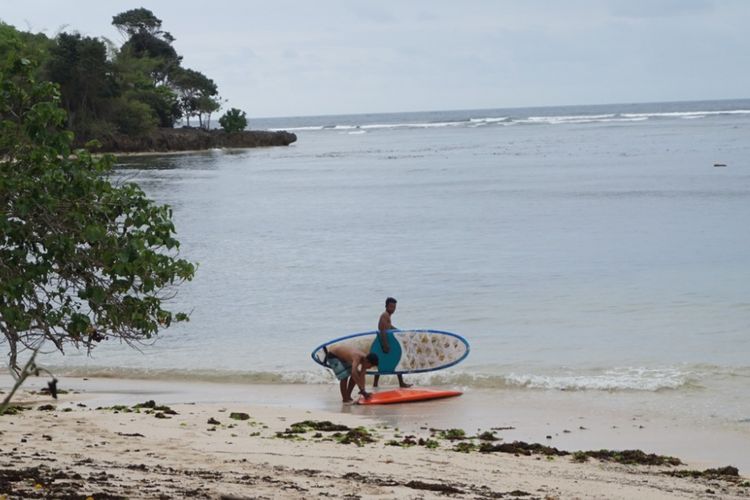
(350, 366)
(383, 326)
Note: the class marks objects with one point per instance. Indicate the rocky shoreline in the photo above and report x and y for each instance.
(166, 140)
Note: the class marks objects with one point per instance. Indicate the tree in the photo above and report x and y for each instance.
(164, 56)
(134, 80)
(33, 46)
(132, 117)
(233, 120)
(140, 20)
(197, 93)
(163, 102)
(81, 258)
(145, 38)
(206, 106)
(80, 66)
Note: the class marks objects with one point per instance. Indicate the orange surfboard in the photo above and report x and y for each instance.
(406, 396)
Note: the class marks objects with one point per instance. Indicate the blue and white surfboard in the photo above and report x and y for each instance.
(411, 351)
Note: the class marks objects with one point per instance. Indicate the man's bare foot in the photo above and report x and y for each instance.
(404, 385)
(348, 401)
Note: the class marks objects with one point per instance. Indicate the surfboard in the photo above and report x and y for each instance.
(411, 351)
(406, 396)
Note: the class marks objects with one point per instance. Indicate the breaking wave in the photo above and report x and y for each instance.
(468, 121)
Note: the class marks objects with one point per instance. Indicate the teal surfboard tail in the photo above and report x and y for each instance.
(387, 361)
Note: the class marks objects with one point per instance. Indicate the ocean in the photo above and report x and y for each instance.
(602, 249)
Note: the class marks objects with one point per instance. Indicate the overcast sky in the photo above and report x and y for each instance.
(309, 57)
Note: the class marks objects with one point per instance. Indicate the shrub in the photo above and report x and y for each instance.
(233, 120)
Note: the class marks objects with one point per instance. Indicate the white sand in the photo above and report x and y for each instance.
(181, 456)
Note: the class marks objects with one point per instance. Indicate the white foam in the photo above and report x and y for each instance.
(505, 120)
(629, 379)
(296, 129)
(488, 120)
(578, 119)
(413, 125)
(568, 118)
(686, 114)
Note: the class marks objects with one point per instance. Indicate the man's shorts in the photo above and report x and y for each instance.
(339, 368)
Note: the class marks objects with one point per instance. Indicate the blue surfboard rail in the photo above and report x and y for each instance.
(375, 332)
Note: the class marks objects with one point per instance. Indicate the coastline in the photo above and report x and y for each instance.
(186, 140)
(144, 456)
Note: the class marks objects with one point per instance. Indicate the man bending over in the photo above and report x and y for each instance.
(350, 366)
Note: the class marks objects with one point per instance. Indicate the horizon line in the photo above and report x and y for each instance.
(680, 101)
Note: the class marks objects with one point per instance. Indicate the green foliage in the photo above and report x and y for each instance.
(429, 443)
(132, 117)
(487, 436)
(32, 46)
(233, 120)
(359, 436)
(196, 92)
(134, 21)
(80, 67)
(81, 258)
(452, 434)
(163, 102)
(105, 89)
(239, 416)
(465, 447)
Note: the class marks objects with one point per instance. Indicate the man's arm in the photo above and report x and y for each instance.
(383, 326)
(358, 375)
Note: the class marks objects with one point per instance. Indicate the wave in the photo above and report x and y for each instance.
(298, 129)
(415, 125)
(320, 376)
(574, 120)
(490, 121)
(627, 379)
(687, 114)
(373, 126)
(631, 379)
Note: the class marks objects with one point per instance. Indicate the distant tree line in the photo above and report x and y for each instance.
(130, 89)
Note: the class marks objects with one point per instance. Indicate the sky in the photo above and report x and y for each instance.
(320, 57)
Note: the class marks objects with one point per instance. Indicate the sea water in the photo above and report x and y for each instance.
(593, 248)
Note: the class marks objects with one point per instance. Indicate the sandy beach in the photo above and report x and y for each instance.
(109, 438)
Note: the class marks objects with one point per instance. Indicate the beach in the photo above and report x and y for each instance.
(110, 438)
(531, 221)
(593, 258)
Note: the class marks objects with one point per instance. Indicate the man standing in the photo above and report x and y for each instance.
(350, 366)
(384, 325)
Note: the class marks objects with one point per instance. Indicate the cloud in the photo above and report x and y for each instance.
(371, 12)
(342, 56)
(644, 9)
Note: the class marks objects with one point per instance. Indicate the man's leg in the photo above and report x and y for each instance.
(377, 379)
(401, 382)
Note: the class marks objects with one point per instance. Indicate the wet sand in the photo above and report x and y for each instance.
(200, 450)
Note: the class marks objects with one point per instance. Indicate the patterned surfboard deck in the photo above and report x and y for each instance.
(411, 351)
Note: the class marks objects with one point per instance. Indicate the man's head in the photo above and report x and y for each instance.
(390, 305)
(371, 360)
